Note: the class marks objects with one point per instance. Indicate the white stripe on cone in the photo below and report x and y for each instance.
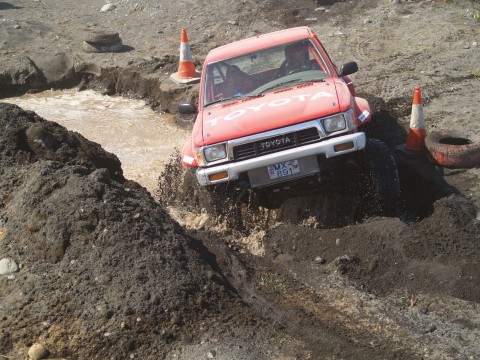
(185, 52)
(417, 122)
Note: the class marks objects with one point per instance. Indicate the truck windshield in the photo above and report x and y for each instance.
(262, 71)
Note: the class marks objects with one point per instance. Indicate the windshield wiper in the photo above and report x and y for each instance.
(300, 81)
(216, 101)
(314, 80)
(246, 96)
(242, 97)
(277, 85)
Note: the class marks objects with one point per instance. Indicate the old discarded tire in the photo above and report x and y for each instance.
(452, 151)
(101, 48)
(102, 37)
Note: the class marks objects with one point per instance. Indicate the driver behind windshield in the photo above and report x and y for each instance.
(296, 59)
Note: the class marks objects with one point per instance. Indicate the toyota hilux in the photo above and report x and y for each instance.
(277, 118)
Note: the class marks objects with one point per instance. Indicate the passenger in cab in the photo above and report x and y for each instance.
(237, 82)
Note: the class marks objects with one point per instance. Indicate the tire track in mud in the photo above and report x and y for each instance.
(327, 317)
(327, 320)
(316, 329)
(330, 310)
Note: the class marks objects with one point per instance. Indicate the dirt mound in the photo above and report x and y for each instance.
(436, 255)
(100, 262)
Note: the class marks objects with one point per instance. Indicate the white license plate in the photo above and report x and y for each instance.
(282, 169)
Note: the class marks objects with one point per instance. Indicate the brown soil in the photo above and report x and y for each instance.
(105, 272)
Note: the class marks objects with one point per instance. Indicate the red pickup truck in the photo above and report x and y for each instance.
(276, 118)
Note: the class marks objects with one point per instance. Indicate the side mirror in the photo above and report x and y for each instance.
(348, 68)
(187, 108)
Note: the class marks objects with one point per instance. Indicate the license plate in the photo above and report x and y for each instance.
(282, 169)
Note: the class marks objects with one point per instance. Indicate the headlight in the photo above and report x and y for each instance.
(334, 123)
(215, 152)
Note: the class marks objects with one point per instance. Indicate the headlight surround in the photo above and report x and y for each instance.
(334, 123)
(215, 152)
(350, 119)
(199, 157)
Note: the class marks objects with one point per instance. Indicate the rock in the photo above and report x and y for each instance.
(320, 260)
(8, 266)
(337, 242)
(345, 263)
(108, 7)
(88, 68)
(101, 175)
(16, 26)
(432, 328)
(54, 67)
(37, 352)
(212, 354)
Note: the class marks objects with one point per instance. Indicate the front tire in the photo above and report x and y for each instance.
(379, 182)
(268, 199)
(218, 201)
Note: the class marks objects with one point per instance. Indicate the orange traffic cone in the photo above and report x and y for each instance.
(186, 69)
(415, 143)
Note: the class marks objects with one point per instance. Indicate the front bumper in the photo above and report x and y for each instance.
(325, 147)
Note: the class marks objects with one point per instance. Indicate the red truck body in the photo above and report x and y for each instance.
(288, 119)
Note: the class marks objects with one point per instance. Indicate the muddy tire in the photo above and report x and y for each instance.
(218, 201)
(268, 199)
(194, 197)
(379, 191)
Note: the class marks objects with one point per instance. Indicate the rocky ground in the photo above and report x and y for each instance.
(93, 266)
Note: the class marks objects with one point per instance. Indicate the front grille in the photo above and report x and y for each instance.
(275, 143)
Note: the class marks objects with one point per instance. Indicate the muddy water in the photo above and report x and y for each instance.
(142, 139)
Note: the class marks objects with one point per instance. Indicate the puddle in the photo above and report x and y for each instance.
(142, 139)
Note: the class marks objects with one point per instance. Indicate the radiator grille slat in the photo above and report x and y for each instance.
(276, 143)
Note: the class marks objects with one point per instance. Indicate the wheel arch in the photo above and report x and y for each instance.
(188, 156)
(362, 111)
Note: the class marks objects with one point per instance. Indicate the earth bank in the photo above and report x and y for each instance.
(83, 235)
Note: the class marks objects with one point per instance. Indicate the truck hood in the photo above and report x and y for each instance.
(272, 111)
